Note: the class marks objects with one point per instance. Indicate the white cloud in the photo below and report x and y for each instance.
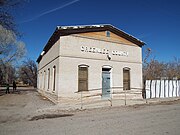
(50, 11)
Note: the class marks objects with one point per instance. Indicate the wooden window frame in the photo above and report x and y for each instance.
(54, 78)
(80, 79)
(108, 33)
(44, 79)
(129, 77)
(41, 80)
(48, 78)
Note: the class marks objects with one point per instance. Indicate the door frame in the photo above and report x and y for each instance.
(127, 69)
(110, 72)
(87, 81)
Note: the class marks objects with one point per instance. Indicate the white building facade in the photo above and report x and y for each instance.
(96, 59)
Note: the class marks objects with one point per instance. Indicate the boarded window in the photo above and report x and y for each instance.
(126, 79)
(83, 79)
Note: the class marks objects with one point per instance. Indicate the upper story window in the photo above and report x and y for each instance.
(108, 33)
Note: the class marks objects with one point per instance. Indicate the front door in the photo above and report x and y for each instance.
(106, 84)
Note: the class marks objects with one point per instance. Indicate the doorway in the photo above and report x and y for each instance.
(106, 82)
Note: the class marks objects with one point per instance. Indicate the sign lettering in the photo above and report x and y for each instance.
(103, 51)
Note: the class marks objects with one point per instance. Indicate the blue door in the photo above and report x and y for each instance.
(106, 84)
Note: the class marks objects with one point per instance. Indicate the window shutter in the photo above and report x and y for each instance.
(83, 79)
(126, 79)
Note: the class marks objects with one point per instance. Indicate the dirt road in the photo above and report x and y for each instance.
(24, 114)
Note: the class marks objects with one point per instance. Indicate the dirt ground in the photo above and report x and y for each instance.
(28, 113)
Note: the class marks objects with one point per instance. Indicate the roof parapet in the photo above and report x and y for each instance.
(85, 28)
(81, 26)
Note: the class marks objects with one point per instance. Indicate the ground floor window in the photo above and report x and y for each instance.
(54, 77)
(48, 77)
(126, 79)
(41, 79)
(83, 78)
(44, 79)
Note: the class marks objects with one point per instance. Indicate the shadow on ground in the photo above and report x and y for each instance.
(18, 91)
(49, 116)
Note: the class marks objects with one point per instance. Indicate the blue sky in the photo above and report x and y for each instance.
(156, 22)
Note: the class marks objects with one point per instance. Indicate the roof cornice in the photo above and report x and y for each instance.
(68, 30)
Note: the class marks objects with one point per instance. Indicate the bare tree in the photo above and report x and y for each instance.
(147, 53)
(11, 48)
(6, 18)
(154, 70)
(7, 73)
(173, 69)
(28, 72)
(158, 70)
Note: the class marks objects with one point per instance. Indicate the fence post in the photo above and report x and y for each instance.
(144, 90)
(160, 89)
(176, 88)
(125, 96)
(155, 88)
(81, 101)
(111, 97)
(150, 89)
(172, 88)
(179, 88)
(164, 88)
(168, 88)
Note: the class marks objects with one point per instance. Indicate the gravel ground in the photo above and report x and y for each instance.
(28, 113)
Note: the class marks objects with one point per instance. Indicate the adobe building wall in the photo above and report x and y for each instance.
(72, 55)
(71, 51)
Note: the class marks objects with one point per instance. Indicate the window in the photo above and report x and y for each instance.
(41, 80)
(44, 79)
(83, 78)
(48, 78)
(54, 77)
(38, 85)
(126, 78)
(107, 33)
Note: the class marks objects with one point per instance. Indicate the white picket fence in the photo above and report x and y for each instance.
(162, 88)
